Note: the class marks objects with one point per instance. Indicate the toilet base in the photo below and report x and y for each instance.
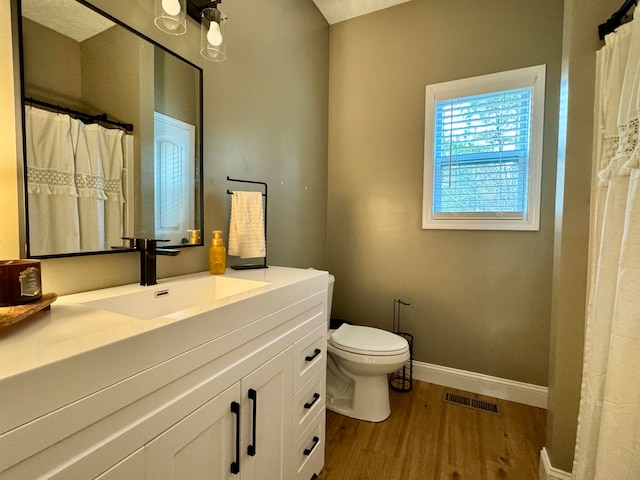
(369, 398)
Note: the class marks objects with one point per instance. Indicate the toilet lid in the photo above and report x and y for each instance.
(365, 340)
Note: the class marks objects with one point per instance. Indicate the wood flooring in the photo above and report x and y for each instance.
(428, 439)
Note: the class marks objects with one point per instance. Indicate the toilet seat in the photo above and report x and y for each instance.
(367, 341)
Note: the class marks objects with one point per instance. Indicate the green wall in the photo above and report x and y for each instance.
(480, 300)
(580, 42)
(48, 76)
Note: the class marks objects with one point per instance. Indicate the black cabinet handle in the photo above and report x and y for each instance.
(316, 352)
(316, 396)
(253, 395)
(235, 466)
(307, 451)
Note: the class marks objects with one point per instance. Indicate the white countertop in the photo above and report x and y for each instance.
(78, 341)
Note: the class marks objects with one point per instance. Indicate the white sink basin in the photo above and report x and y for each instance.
(165, 300)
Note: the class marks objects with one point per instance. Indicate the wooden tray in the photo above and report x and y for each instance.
(16, 313)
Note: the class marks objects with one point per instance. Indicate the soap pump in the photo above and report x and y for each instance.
(217, 254)
(194, 236)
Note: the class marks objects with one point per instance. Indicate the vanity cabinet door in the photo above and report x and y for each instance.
(131, 468)
(202, 445)
(267, 404)
(205, 444)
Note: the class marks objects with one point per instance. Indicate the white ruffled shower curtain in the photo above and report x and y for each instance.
(74, 184)
(608, 438)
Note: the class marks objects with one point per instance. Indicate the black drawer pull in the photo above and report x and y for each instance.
(235, 466)
(307, 451)
(253, 395)
(316, 396)
(316, 352)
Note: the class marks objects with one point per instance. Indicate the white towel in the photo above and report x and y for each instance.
(246, 229)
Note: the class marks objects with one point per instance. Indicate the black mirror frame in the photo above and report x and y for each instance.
(21, 129)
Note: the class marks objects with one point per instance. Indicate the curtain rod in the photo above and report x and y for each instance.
(84, 116)
(616, 19)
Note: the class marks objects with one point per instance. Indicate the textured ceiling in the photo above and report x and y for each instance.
(67, 17)
(339, 10)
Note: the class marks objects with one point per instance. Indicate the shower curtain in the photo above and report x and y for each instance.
(51, 190)
(74, 184)
(100, 200)
(608, 437)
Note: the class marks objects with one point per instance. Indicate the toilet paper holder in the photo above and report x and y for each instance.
(402, 379)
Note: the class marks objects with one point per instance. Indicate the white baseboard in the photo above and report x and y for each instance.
(502, 388)
(547, 472)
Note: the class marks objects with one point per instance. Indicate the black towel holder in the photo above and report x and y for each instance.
(265, 195)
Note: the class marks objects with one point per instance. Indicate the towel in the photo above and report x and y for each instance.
(246, 229)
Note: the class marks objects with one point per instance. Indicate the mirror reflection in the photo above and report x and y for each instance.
(112, 133)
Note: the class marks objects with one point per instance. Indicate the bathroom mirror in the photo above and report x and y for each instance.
(112, 133)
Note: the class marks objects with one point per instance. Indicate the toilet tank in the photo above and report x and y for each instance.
(332, 280)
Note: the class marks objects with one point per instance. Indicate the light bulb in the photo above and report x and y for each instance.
(171, 7)
(214, 36)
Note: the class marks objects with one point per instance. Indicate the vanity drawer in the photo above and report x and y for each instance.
(309, 452)
(307, 402)
(310, 356)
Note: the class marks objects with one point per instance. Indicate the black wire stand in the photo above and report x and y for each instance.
(402, 379)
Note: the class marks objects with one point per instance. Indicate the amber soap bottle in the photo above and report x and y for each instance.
(217, 254)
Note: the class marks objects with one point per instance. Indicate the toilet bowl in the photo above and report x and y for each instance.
(359, 360)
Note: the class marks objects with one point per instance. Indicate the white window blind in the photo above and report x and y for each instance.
(481, 152)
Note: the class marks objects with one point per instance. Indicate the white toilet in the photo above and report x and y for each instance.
(359, 360)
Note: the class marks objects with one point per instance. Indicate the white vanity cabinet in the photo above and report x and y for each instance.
(245, 400)
(244, 432)
(131, 468)
(309, 404)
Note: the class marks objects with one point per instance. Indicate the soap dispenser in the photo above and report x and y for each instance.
(217, 254)
(194, 236)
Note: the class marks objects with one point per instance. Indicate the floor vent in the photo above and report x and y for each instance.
(470, 402)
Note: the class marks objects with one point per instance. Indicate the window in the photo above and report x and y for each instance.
(483, 152)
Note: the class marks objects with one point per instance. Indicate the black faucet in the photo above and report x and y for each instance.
(148, 250)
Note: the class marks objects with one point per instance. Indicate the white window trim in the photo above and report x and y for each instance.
(525, 77)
